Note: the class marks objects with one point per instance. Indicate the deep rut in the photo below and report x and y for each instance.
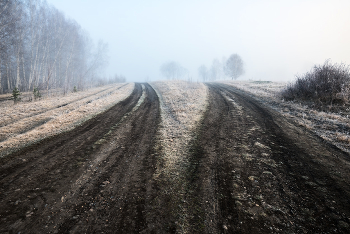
(259, 173)
(250, 171)
(95, 178)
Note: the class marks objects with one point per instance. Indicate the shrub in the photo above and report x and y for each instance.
(16, 95)
(325, 84)
(36, 93)
(75, 89)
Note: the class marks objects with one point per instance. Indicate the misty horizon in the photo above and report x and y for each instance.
(276, 40)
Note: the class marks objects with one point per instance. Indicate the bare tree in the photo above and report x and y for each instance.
(98, 59)
(234, 66)
(216, 71)
(118, 79)
(40, 47)
(203, 73)
(10, 10)
(173, 70)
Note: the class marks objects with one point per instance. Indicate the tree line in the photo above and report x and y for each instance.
(173, 70)
(41, 48)
(233, 67)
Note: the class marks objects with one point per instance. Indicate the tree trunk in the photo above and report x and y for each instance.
(18, 78)
(24, 70)
(1, 91)
(8, 76)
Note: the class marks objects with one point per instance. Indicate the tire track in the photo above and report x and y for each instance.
(121, 204)
(70, 184)
(257, 173)
(249, 171)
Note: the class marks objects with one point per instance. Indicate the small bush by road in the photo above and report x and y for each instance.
(325, 84)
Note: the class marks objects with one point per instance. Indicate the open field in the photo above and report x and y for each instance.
(179, 157)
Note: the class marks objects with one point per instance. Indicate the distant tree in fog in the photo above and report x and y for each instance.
(216, 70)
(234, 66)
(173, 70)
(203, 72)
(118, 79)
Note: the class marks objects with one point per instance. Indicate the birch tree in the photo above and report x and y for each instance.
(234, 66)
(40, 47)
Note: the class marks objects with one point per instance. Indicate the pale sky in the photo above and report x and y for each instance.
(277, 39)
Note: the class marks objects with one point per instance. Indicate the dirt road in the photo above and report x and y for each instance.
(92, 179)
(250, 171)
(255, 172)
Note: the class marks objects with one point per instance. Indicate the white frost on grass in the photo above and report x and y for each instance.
(332, 127)
(57, 120)
(9, 112)
(259, 88)
(182, 107)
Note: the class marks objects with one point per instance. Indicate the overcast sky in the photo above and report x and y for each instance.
(276, 39)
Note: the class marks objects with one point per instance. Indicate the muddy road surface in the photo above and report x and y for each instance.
(250, 171)
(94, 179)
(256, 172)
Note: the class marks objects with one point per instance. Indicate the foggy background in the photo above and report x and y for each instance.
(276, 39)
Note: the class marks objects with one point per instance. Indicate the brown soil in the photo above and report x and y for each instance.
(93, 179)
(250, 170)
(253, 171)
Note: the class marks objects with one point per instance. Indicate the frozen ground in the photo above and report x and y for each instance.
(182, 107)
(332, 127)
(28, 122)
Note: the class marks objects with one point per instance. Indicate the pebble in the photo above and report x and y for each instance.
(343, 224)
(29, 213)
(267, 172)
(311, 183)
(238, 203)
(252, 178)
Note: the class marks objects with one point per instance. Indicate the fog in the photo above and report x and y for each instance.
(276, 39)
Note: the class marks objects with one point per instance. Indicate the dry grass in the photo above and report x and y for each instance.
(37, 120)
(332, 127)
(260, 89)
(11, 112)
(6, 99)
(182, 107)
